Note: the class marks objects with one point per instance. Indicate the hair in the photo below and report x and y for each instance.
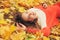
(18, 19)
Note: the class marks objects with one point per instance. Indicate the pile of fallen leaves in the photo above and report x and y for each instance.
(8, 30)
(55, 33)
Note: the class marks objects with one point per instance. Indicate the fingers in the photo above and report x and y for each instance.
(17, 25)
(22, 25)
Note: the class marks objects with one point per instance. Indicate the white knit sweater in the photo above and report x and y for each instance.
(41, 17)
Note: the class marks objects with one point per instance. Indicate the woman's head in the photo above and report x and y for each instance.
(29, 16)
(26, 18)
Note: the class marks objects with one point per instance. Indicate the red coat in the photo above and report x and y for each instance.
(52, 12)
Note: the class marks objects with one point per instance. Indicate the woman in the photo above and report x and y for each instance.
(46, 18)
(32, 17)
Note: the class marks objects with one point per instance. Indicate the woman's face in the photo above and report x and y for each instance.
(29, 16)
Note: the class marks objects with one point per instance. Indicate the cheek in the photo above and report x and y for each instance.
(36, 16)
(33, 16)
(25, 17)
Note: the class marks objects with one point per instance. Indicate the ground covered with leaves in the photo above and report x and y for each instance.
(8, 30)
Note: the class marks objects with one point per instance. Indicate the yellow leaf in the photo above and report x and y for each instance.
(1, 16)
(21, 9)
(6, 10)
(10, 16)
(45, 38)
(3, 22)
(18, 36)
(12, 28)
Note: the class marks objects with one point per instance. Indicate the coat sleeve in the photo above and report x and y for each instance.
(58, 9)
(58, 12)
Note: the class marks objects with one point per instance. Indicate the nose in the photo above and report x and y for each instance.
(32, 17)
(32, 13)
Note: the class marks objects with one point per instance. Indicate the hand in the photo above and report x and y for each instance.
(20, 26)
